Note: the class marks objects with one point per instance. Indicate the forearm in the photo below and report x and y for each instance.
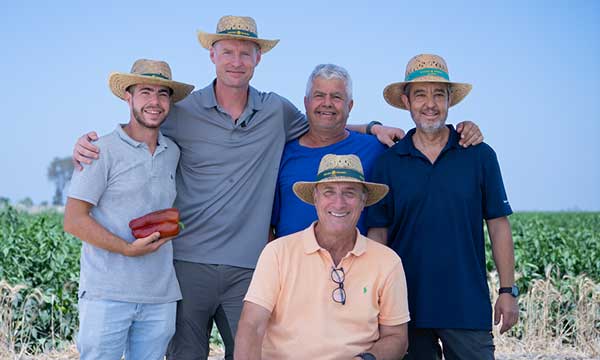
(390, 347)
(378, 234)
(502, 250)
(248, 343)
(84, 227)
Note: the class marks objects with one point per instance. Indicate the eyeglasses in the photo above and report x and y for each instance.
(338, 294)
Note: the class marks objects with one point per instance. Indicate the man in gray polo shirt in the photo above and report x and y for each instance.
(127, 288)
(231, 138)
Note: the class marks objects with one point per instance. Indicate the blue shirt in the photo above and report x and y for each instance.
(434, 214)
(301, 163)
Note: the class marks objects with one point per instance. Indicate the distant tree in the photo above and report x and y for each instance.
(26, 202)
(59, 172)
(4, 201)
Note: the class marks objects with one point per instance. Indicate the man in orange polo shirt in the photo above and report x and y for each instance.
(327, 292)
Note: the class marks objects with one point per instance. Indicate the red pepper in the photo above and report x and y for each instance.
(166, 229)
(166, 215)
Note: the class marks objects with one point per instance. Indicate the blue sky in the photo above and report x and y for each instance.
(534, 67)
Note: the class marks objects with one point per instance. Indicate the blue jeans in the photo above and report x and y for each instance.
(108, 329)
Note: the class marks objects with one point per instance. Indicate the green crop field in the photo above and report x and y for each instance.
(557, 260)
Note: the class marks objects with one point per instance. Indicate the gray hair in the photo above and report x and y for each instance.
(328, 72)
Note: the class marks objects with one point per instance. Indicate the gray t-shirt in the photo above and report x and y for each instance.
(227, 173)
(127, 182)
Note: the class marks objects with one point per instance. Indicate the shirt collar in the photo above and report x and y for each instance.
(162, 141)
(311, 245)
(208, 99)
(407, 147)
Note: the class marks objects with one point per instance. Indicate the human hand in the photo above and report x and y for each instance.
(84, 151)
(506, 307)
(146, 245)
(387, 135)
(469, 134)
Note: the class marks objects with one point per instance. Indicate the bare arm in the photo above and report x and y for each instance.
(385, 134)
(84, 151)
(251, 331)
(504, 257)
(78, 222)
(378, 234)
(392, 343)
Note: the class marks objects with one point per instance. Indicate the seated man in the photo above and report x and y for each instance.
(327, 292)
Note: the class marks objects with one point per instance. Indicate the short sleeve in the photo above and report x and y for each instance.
(495, 201)
(90, 183)
(394, 298)
(265, 285)
(294, 120)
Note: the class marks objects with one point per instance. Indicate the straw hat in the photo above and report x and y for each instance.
(340, 168)
(152, 72)
(236, 28)
(425, 68)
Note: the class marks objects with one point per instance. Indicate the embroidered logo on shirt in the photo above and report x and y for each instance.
(364, 290)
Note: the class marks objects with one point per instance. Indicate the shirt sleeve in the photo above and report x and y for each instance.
(294, 120)
(394, 298)
(90, 183)
(381, 213)
(265, 285)
(495, 201)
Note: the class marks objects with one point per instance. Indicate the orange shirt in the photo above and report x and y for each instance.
(293, 281)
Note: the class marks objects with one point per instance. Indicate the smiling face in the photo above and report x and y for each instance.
(235, 61)
(339, 205)
(328, 105)
(150, 104)
(428, 105)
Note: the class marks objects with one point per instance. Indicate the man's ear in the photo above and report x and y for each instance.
(211, 51)
(258, 56)
(350, 105)
(405, 101)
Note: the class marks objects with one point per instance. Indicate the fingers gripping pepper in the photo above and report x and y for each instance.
(166, 222)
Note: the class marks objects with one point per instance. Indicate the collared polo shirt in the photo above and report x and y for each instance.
(126, 182)
(293, 281)
(227, 173)
(434, 214)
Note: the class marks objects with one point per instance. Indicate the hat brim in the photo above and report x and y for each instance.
(119, 82)
(304, 189)
(393, 92)
(208, 39)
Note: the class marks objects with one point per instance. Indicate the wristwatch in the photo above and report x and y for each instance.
(367, 356)
(513, 290)
(370, 126)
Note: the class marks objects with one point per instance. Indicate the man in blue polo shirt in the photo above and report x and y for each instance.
(440, 193)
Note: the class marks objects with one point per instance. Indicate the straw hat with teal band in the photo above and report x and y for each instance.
(425, 68)
(236, 28)
(340, 168)
(151, 72)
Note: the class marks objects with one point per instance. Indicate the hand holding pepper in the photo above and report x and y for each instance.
(165, 222)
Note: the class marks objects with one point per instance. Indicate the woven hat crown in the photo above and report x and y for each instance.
(340, 166)
(243, 23)
(154, 68)
(424, 67)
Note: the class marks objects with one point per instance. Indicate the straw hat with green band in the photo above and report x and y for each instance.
(425, 68)
(236, 28)
(340, 168)
(151, 72)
